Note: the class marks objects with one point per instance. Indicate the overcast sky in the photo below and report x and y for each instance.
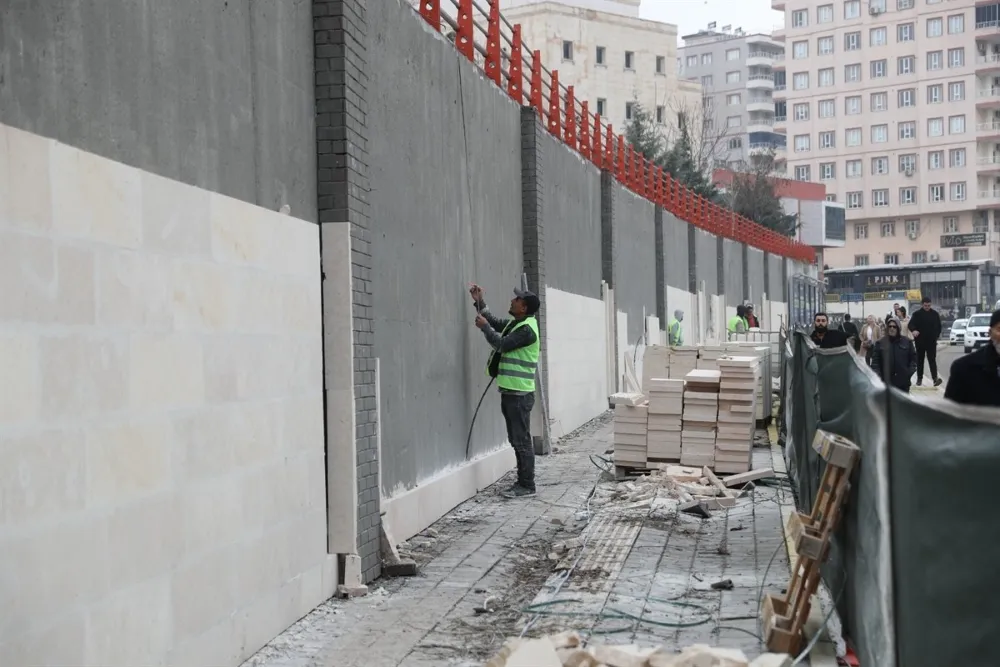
(693, 15)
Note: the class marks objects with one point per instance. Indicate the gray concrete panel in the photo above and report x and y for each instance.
(706, 261)
(732, 257)
(215, 94)
(675, 251)
(446, 210)
(755, 273)
(571, 205)
(634, 259)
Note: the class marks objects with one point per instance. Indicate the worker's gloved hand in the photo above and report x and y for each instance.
(477, 292)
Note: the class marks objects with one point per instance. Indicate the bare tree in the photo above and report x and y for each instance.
(709, 136)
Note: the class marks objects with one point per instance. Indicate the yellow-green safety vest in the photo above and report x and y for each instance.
(517, 367)
(734, 320)
(676, 335)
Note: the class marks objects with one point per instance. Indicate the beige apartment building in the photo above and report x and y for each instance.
(894, 105)
(611, 57)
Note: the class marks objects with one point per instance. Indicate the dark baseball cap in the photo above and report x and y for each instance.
(530, 299)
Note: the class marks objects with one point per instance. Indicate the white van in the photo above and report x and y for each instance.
(977, 331)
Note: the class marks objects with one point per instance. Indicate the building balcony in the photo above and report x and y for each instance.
(988, 97)
(988, 130)
(756, 149)
(760, 125)
(988, 199)
(988, 31)
(988, 164)
(761, 105)
(778, 33)
(778, 5)
(988, 63)
(760, 59)
(766, 82)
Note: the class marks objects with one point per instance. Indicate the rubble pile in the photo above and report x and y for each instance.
(566, 649)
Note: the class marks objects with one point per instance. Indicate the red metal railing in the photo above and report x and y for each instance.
(496, 45)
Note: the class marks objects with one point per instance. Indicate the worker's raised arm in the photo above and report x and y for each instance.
(519, 337)
(498, 323)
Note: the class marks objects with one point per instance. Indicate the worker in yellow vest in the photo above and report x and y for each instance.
(513, 362)
(738, 322)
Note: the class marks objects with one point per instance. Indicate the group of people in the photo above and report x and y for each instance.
(899, 347)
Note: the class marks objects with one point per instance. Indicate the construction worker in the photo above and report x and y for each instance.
(513, 362)
(675, 334)
(738, 322)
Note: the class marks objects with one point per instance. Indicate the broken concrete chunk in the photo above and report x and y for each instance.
(568, 639)
(744, 477)
(621, 656)
(577, 657)
(535, 653)
(772, 660)
(352, 591)
(701, 655)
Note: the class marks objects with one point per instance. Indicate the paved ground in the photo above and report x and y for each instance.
(644, 574)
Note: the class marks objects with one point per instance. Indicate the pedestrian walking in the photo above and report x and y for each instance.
(675, 333)
(894, 357)
(850, 330)
(823, 336)
(925, 324)
(870, 333)
(513, 362)
(975, 378)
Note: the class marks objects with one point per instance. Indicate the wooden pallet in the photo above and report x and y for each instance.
(785, 615)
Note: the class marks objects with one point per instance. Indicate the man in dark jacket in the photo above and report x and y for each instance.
(975, 378)
(850, 330)
(894, 357)
(926, 327)
(824, 337)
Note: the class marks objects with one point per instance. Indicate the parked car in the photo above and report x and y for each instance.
(977, 332)
(957, 334)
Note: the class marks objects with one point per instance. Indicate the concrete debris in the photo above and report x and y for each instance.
(567, 650)
(665, 491)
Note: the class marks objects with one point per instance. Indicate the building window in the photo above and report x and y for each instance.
(935, 192)
(831, 197)
(860, 230)
(824, 46)
(800, 111)
(800, 18)
(879, 102)
(801, 143)
(981, 225)
(853, 168)
(904, 32)
(800, 80)
(601, 105)
(567, 50)
(630, 60)
(661, 114)
(692, 61)
(734, 121)
(919, 257)
(800, 50)
(600, 55)
(892, 258)
(706, 123)
(907, 163)
(956, 91)
(935, 127)
(853, 136)
(957, 191)
(880, 198)
(935, 93)
(880, 135)
(906, 65)
(908, 130)
(904, 4)
(825, 77)
(861, 260)
(908, 195)
(824, 14)
(906, 98)
(852, 73)
(880, 165)
(913, 228)
(960, 255)
(935, 60)
(706, 59)
(956, 24)
(956, 57)
(734, 99)
(629, 110)
(879, 68)
(877, 37)
(852, 9)
(827, 108)
(827, 171)
(802, 172)
(852, 105)
(956, 124)
(735, 142)
(706, 81)
(733, 77)
(935, 159)
(661, 65)
(827, 139)
(732, 54)
(935, 27)
(852, 41)
(855, 200)
(950, 225)
(888, 228)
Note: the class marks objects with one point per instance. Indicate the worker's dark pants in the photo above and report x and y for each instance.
(516, 411)
(930, 352)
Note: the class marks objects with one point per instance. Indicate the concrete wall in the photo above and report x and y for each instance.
(755, 274)
(213, 94)
(161, 416)
(676, 274)
(445, 210)
(634, 258)
(706, 262)
(776, 279)
(732, 260)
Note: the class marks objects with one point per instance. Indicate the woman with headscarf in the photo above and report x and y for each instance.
(871, 332)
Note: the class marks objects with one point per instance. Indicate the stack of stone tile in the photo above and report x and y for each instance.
(709, 355)
(663, 425)
(655, 364)
(737, 413)
(683, 360)
(701, 411)
(630, 436)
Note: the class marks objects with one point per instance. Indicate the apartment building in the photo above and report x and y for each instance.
(894, 105)
(736, 73)
(609, 55)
